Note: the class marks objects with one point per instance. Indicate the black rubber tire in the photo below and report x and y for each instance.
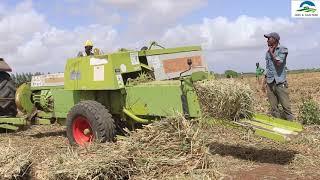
(7, 90)
(101, 121)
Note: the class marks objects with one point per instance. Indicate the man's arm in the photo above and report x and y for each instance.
(278, 59)
(264, 81)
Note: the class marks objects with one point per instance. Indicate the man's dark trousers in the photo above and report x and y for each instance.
(278, 93)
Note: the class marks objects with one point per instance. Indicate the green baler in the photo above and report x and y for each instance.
(98, 93)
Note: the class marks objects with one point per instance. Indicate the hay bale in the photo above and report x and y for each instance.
(14, 163)
(225, 99)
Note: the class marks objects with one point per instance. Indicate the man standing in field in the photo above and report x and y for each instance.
(275, 78)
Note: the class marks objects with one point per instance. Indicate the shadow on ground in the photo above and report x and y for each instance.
(272, 156)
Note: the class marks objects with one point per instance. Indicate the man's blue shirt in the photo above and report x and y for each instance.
(275, 72)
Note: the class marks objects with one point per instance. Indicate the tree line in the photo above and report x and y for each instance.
(20, 78)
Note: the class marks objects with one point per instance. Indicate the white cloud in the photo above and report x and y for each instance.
(173, 7)
(221, 34)
(244, 32)
(148, 18)
(183, 35)
(52, 48)
(239, 43)
(17, 27)
(29, 43)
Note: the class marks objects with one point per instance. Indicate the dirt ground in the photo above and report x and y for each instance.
(229, 153)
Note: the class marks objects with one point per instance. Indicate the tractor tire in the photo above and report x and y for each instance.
(7, 95)
(90, 121)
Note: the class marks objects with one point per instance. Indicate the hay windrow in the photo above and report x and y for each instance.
(166, 148)
(173, 147)
(170, 147)
(225, 99)
(14, 164)
(98, 161)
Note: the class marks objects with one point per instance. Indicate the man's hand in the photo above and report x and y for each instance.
(271, 49)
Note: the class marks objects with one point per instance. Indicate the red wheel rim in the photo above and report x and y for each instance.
(81, 130)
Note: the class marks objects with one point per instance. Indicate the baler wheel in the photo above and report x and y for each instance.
(7, 95)
(89, 121)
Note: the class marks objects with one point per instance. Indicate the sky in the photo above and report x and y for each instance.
(40, 35)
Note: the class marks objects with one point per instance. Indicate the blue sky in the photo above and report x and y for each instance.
(231, 35)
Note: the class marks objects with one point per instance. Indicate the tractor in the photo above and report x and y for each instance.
(7, 91)
(100, 94)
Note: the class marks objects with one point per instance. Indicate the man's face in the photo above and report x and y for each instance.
(88, 48)
(271, 41)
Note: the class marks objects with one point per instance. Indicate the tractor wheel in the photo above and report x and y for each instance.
(89, 121)
(7, 95)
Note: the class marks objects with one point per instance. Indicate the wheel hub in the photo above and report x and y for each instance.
(82, 131)
(86, 131)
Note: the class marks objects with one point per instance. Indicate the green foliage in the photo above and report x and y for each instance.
(309, 112)
(231, 74)
(297, 71)
(20, 78)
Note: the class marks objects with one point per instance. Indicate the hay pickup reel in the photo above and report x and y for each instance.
(98, 94)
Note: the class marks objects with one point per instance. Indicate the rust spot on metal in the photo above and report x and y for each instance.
(180, 64)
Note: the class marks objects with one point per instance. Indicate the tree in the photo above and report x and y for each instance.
(20, 78)
(231, 74)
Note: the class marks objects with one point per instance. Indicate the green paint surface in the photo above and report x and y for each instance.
(14, 121)
(281, 123)
(272, 128)
(63, 101)
(23, 93)
(161, 98)
(8, 126)
(154, 99)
